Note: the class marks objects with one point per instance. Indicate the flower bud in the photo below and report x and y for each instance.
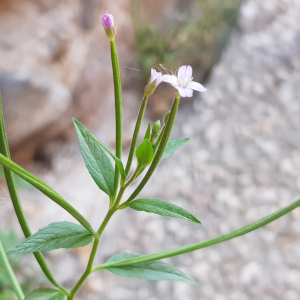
(109, 25)
(153, 82)
(166, 118)
(155, 129)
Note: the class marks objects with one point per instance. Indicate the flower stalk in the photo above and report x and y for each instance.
(118, 112)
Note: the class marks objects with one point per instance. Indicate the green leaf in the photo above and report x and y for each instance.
(96, 160)
(154, 270)
(148, 132)
(54, 236)
(174, 145)
(144, 153)
(162, 208)
(116, 159)
(45, 294)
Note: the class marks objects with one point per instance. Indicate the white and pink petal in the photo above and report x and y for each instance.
(183, 92)
(172, 79)
(185, 72)
(196, 86)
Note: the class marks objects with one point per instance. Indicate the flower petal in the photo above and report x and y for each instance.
(185, 72)
(181, 72)
(189, 72)
(183, 92)
(172, 79)
(196, 86)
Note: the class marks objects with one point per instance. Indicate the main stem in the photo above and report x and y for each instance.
(13, 191)
(118, 110)
(89, 267)
(10, 273)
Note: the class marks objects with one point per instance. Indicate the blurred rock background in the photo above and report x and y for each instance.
(242, 163)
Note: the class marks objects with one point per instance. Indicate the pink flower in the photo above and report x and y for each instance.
(156, 76)
(183, 82)
(150, 87)
(108, 21)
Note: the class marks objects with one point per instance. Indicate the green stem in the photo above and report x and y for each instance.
(118, 110)
(159, 152)
(136, 133)
(45, 189)
(89, 268)
(14, 195)
(186, 249)
(10, 273)
(87, 272)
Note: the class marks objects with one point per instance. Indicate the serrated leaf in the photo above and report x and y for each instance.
(154, 270)
(144, 153)
(45, 294)
(174, 145)
(96, 160)
(116, 159)
(54, 236)
(162, 208)
(148, 132)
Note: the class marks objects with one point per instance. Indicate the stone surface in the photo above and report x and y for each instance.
(54, 63)
(242, 164)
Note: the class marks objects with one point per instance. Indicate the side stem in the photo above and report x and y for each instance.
(10, 273)
(136, 133)
(190, 248)
(159, 152)
(12, 188)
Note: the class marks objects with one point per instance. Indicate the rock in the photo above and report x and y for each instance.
(55, 63)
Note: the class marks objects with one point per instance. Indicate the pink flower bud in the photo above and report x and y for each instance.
(108, 21)
(156, 76)
(155, 80)
(109, 25)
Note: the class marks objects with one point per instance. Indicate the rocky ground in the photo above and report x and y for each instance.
(242, 163)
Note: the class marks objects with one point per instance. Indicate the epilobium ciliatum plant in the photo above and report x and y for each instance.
(113, 180)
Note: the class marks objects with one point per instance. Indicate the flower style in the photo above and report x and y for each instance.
(155, 77)
(109, 25)
(183, 82)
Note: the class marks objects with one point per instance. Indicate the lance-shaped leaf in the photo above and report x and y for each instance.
(144, 154)
(148, 132)
(162, 208)
(116, 159)
(54, 236)
(154, 270)
(45, 294)
(174, 145)
(96, 160)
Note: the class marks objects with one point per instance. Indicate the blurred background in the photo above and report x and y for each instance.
(242, 163)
